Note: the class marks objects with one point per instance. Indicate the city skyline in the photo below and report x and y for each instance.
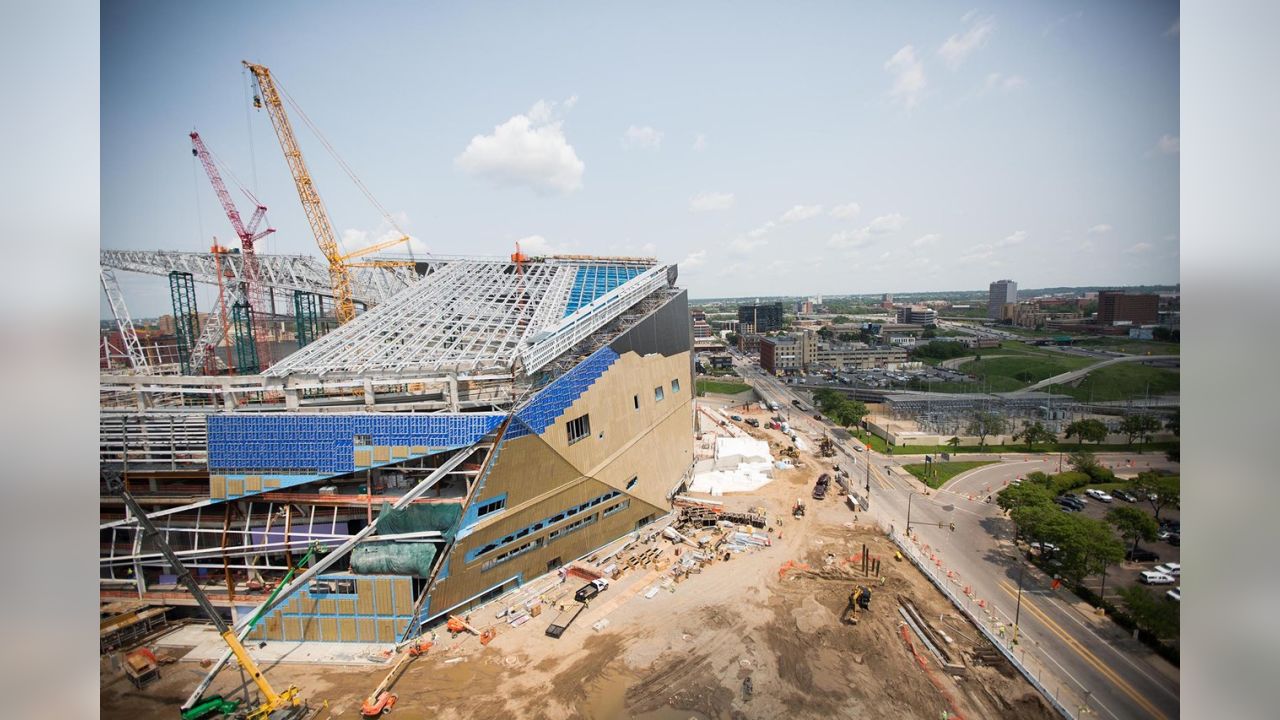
(868, 148)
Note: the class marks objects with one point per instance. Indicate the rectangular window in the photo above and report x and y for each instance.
(657, 394)
(571, 527)
(636, 399)
(491, 506)
(675, 385)
(578, 428)
(620, 506)
(632, 482)
(363, 440)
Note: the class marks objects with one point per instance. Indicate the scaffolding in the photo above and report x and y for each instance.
(306, 317)
(128, 336)
(186, 321)
(246, 347)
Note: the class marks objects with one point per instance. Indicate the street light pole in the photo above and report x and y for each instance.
(910, 497)
(1022, 568)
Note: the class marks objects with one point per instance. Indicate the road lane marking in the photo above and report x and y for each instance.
(1083, 652)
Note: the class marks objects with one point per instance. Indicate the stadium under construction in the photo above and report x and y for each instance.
(483, 422)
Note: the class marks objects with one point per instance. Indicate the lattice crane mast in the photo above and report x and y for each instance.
(267, 95)
(254, 292)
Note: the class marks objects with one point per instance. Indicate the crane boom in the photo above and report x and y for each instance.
(252, 289)
(275, 704)
(312, 205)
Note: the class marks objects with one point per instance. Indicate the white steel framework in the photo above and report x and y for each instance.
(120, 311)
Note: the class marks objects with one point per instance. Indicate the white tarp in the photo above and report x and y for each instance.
(742, 464)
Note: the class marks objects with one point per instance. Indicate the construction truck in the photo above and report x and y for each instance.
(859, 598)
(827, 448)
(797, 510)
(287, 705)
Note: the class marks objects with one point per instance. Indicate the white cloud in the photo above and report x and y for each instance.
(529, 150)
(1169, 144)
(573, 100)
(1140, 248)
(700, 143)
(744, 244)
(801, 212)
(849, 239)
(1014, 239)
(908, 76)
(959, 46)
(1100, 229)
(354, 239)
(537, 245)
(642, 136)
(886, 224)
(703, 202)
(1004, 83)
(926, 240)
(1087, 245)
(1175, 29)
(982, 251)
(762, 230)
(846, 210)
(694, 259)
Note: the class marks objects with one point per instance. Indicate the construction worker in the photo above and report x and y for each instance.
(881, 581)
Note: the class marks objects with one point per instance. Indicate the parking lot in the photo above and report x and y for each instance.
(1127, 573)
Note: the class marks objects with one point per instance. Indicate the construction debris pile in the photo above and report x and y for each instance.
(741, 464)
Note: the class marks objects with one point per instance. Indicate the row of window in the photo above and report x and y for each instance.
(575, 525)
(580, 427)
(518, 550)
(616, 508)
(535, 527)
(491, 506)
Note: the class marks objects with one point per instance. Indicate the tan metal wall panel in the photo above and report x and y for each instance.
(235, 486)
(306, 605)
(217, 486)
(272, 483)
(347, 627)
(403, 589)
(329, 629)
(275, 630)
(346, 606)
(361, 458)
(253, 483)
(327, 606)
(292, 629)
(364, 601)
(386, 631)
(368, 630)
(399, 451)
(384, 596)
(418, 449)
(311, 628)
(381, 453)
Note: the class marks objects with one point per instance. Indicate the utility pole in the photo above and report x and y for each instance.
(1022, 568)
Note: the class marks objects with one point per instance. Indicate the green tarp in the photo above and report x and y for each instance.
(406, 557)
(393, 558)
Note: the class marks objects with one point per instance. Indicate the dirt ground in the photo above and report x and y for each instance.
(772, 615)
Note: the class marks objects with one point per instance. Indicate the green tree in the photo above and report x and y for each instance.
(825, 333)
(1174, 424)
(1152, 614)
(1039, 478)
(1083, 460)
(1088, 430)
(1133, 525)
(731, 338)
(1161, 491)
(1089, 548)
(954, 442)
(984, 424)
(1033, 433)
(1023, 495)
(840, 320)
(1140, 427)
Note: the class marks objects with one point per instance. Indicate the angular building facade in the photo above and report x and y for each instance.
(486, 425)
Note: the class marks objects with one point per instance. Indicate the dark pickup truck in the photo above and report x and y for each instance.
(820, 489)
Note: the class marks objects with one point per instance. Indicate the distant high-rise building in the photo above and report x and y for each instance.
(1116, 307)
(917, 315)
(763, 318)
(886, 301)
(1003, 292)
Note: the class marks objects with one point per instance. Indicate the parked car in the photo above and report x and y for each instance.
(1151, 577)
(1141, 555)
(1175, 594)
(1073, 496)
(1175, 539)
(1067, 506)
(753, 422)
(590, 590)
(1076, 503)
(1173, 569)
(1044, 548)
(1098, 495)
(1125, 495)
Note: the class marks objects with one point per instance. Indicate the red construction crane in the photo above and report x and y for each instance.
(254, 291)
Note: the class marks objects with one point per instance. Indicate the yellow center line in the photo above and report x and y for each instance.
(1084, 653)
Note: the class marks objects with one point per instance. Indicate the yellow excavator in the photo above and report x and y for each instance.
(859, 598)
(286, 705)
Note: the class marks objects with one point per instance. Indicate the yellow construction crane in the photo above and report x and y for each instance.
(268, 96)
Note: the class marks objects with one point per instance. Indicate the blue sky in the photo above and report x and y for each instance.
(769, 148)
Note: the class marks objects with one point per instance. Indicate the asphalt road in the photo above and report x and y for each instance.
(1086, 661)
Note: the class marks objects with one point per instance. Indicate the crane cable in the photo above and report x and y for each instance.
(343, 164)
